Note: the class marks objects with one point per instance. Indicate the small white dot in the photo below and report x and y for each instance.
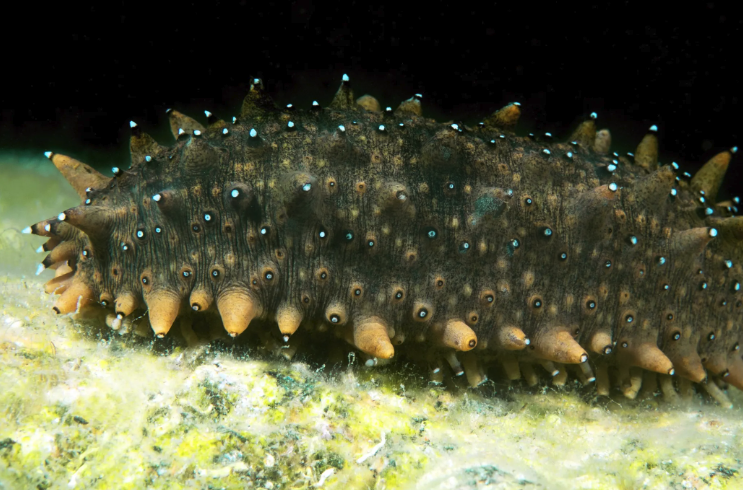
(594, 115)
(546, 151)
(713, 232)
(61, 216)
(235, 193)
(342, 128)
(196, 132)
(653, 128)
(157, 197)
(611, 167)
(290, 124)
(253, 133)
(613, 187)
(729, 264)
(345, 78)
(147, 158)
(225, 131)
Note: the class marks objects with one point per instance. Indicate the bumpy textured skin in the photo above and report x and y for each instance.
(437, 241)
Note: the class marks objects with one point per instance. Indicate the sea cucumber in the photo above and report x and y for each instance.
(439, 242)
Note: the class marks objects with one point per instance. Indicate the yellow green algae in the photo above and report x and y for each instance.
(80, 410)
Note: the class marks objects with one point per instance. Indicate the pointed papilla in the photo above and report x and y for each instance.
(180, 121)
(126, 303)
(410, 106)
(558, 346)
(257, 104)
(457, 335)
(585, 133)
(163, 306)
(647, 356)
(237, 309)
(504, 118)
(289, 318)
(602, 143)
(370, 335)
(511, 338)
(78, 174)
(142, 145)
(691, 242)
(369, 103)
(77, 294)
(343, 99)
(59, 284)
(710, 176)
(95, 221)
(646, 155)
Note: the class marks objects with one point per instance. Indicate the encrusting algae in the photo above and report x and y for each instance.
(351, 239)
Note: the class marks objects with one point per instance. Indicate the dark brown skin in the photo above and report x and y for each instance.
(420, 237)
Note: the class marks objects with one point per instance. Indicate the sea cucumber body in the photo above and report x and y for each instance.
(399, 233)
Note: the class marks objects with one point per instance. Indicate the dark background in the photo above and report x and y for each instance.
(73, 76)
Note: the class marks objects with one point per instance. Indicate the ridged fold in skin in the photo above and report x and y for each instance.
(444, 243)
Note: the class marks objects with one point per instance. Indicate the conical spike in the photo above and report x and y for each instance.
(511, 338)
(65, 251)
(457, 335)
(201, 299)
(49, 245)
(79, 175)
(142, 145)
(646, 155)
(653, 190)
(163, 306)
(602, 143)
(585, 133)
(336, 314)
(180, 121)
(730, 230)
(78, 293)
(343, 99)
(410, 106)
(558, 346)
(237, 309)
(710, 176)
(369, 103)
(125, 304)
(257, 103)
(600, 342)
(370, 335)
(715, 363)
(59, 284)
(690, 367)
(691, 242)
(647, 356)
(92, 220)
(288, 317)
(504, 118)
(595, 204)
